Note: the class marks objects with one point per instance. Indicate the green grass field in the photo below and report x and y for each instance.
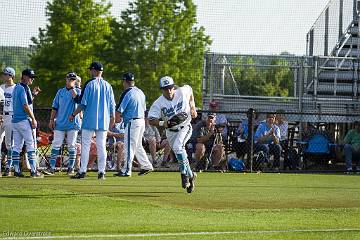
(223, 206)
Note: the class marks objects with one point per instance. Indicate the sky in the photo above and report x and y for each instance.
(235, 26)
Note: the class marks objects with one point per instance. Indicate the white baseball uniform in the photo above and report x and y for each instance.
(178, 135)
(6, 128)
(2, 98)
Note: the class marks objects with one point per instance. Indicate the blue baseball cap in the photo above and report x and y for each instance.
(71, 75)
(96, 65)
(128, 76)
(166, 82)
(29, 72)
(9, 71)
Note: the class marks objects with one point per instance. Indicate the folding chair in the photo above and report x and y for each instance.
(44, 147)
(316, 148)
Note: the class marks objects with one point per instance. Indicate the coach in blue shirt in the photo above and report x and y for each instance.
(98, 105)
(132, 108)
(267, 140)
(24, 123)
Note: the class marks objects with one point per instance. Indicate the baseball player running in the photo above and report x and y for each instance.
(174, 110)
(24, 124)
(6, 128)
(64, 104)
(98, 104)
(132, 108)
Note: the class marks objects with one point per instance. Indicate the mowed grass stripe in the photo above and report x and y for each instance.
(179, 234)
(157, 204)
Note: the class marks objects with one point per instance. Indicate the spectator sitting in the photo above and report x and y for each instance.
(92, 154)
(155, 143)
(352, 147)
(116, 138)
(221, 120)
(283, 126)
(267, 140)
(242, 132)
(208, 142)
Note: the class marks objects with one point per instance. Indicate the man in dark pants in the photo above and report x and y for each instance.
(267, 139)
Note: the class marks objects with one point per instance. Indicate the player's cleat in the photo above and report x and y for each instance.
(19, 175)
(184, 181)
(78, 175)
(101, 176)
(49, 171)
(191, 187)
(143, 172)
(70, 171)
(36, 174)
(6, 173)
(121, 174)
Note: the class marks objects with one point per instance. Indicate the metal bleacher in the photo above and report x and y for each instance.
(326, 80)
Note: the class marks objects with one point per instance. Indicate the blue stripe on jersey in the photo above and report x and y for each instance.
(98, 104)
(65, 105)
(21, 96)
(128, 160)
(133, 105)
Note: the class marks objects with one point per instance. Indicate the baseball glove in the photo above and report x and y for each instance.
(177, 119)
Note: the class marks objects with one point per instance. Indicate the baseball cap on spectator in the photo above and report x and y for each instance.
(166, 82)
(29, 72)
(96, 65)
(128, 76)
(9, 71)
(71, 75)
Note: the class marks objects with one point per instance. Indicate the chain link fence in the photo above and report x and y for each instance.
(306, 142)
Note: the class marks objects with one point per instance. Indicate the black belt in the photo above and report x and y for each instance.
(135, 118)
(176, 130)
(7, 113)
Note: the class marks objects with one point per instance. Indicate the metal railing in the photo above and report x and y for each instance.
(331, 28)
(305, 79)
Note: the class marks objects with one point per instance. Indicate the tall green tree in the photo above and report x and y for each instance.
(279, 81)
(155, 38)
(252, 80)
(70, 42)
(15, 57)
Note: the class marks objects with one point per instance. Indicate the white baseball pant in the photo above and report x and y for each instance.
(134, 132)
(86, 136)
(23, 132)
(177, 142)
(6, 130)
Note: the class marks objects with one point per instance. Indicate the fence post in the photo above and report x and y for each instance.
(250, 139)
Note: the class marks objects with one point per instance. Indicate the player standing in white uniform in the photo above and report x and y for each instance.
(8, 72)
(64, 104)
(24, 124)
(98, 105)
(171, 103)
(6, 128)
(132, 108)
